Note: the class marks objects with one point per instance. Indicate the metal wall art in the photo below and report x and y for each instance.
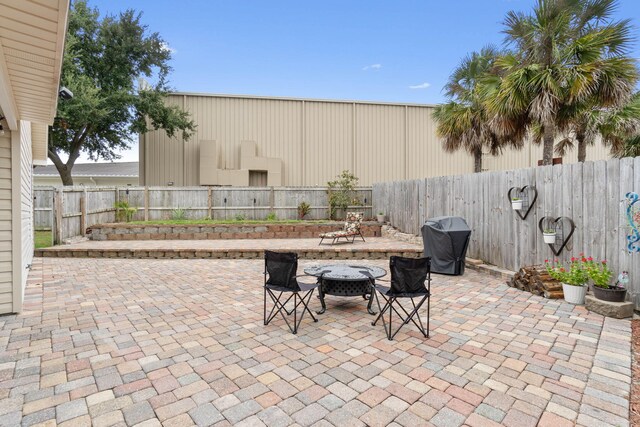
(633, 215)
(525, 199)
(563, 227)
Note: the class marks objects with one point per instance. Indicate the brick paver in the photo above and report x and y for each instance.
(181, 342)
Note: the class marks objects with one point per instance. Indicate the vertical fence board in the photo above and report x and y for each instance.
(613, 205)
(590, 193)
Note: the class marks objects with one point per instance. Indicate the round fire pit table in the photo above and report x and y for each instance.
(345, 281)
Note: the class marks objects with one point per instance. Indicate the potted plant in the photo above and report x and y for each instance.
(573, 276)
(549, 235)
(516, 204)
(600, 275)
(380, 217)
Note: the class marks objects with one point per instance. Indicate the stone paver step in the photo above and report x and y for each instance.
(372, 248)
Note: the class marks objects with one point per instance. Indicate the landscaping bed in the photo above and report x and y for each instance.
(221, 230)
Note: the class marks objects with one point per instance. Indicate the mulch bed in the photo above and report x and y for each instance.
(634, 407)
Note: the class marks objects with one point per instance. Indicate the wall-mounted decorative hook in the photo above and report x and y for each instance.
(522, 199)
(557, 227)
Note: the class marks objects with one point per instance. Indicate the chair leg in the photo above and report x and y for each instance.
(381, 310)
(278, 307)
(428, 313)
(389, 306)
(411, 317)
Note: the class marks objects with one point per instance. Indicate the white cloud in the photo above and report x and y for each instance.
(374, 67)
(165, 46)
(420, 86)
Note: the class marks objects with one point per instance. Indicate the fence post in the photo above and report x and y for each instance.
(83, 212)
(146, 203)
(209, 203)
(272, 200)
(58, 203)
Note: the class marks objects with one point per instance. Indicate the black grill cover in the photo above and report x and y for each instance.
(446, 239)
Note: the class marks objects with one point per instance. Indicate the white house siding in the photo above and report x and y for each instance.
(16, 207)
(26, 198)
(6, 270)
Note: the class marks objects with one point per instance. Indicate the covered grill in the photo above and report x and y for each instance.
(446, 239)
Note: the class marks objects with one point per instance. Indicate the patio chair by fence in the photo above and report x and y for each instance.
(351, 229)
(279, 280)
(410, 278)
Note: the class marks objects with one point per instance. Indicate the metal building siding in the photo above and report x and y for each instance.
(531, 153)
(328, 141)
(317, 139)
(425, 156)
(275, 125)
(379, 147)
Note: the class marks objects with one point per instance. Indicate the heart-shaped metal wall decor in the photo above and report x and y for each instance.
(558, 224)
(528, 194)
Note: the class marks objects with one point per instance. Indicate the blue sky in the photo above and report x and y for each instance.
(399, 51)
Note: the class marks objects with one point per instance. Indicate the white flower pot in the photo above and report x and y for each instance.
(574, 294)
(516, 205)
(380, 218)
(549, 238)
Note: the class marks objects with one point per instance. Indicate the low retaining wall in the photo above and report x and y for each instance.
(319, 253)
(220, 231)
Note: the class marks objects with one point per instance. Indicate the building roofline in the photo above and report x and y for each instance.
(284, 98)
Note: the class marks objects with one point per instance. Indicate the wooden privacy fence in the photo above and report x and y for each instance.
(591, 193)
(68, 211)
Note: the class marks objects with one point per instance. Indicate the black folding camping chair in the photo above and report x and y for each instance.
(410, 279)
(280, 279)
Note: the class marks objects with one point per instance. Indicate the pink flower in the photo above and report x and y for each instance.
(574, 259)
(604, 262)
(590, 258)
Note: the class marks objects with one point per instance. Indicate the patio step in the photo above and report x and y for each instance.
(237, 253)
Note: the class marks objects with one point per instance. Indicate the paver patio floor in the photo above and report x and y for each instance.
(181, 342)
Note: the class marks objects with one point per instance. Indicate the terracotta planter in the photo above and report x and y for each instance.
(611, 295)
(516, 205)
(574, 294)
(549, 238)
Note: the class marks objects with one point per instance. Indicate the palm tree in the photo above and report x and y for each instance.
(618, 128)
(463, 123)
(568, 54)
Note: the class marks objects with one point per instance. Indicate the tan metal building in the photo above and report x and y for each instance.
(240, 139)
(32, 36)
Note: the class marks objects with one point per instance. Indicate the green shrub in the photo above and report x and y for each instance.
(178, 214)
(124, 212)
(239, 217)
(272, 216)
(342, 192)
